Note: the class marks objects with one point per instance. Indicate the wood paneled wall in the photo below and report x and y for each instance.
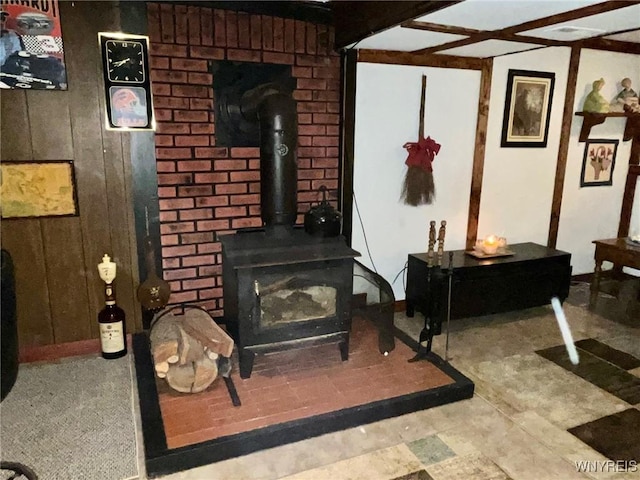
(59, 292)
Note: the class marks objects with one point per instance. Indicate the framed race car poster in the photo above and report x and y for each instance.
(31, 49)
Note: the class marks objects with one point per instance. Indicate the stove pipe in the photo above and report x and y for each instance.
(277, 115)
(278, 164)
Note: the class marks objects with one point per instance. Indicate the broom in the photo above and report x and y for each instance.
(418, 187)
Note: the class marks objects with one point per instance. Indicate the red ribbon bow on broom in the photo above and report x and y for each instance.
(422, 153)
(418, 187)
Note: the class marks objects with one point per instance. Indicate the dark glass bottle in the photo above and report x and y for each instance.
(113, 334)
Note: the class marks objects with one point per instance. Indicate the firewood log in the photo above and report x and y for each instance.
(186, 349)
(212, 355)
(166, 352)
(164, 340)
(162, 367)
(200, 326)
(193, 377)
(206, 371)
(189, 349)
(180, 377)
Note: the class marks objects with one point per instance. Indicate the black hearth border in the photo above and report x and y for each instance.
(161, 460)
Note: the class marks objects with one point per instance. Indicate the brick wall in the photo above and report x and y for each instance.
(207, 190)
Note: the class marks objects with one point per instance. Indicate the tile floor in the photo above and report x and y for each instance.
(515, 426)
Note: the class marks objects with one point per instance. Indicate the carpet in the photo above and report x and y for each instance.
(86, 405)
(291, 396)
(615, 436)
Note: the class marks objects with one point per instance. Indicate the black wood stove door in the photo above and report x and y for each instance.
(289, 306)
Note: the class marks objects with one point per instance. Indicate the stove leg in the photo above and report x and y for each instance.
(246, 362)
(344, 349)
(410, 308)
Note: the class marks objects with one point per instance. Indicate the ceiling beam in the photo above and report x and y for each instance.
(533, 24)
(496, 35)
(408, 58)
(610, 45)
(355, 20)
(439, 28)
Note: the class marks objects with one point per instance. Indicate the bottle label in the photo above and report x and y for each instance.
(111, 337)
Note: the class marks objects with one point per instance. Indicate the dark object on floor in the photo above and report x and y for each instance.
(19, 470)
(615, 436)
(9, 333)
(598, 371)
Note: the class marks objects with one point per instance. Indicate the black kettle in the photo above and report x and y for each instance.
(323, 220)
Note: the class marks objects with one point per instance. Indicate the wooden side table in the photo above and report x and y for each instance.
(617, 251)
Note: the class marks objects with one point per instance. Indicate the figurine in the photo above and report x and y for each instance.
(441, 234)
(595, 102)
(627, 98)
(432, 242)
(626, 92)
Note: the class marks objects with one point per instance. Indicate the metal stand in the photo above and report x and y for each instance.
(450, 275)
(432, 327)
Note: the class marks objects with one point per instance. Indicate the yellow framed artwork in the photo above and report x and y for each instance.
(38, 189)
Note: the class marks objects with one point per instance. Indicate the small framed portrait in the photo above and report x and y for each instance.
(527, 109)
(598, 162)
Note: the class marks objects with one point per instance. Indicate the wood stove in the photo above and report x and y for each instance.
(282, 287)
(286, 292)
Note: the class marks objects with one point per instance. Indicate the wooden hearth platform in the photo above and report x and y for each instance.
(290, 396)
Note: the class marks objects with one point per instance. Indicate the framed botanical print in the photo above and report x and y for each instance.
(527, 109)
(598, 162)
(125, 63)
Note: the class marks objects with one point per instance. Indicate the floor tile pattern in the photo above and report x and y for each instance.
(598, 371)
(615, 436)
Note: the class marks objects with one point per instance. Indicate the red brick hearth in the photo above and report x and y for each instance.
(297, 384)
(204, 189)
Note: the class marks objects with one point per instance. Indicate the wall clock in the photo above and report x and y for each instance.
(125, 66)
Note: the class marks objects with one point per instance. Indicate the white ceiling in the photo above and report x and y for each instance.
(482, 16)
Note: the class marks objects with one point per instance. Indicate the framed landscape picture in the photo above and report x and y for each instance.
(598, 162)
(38, 189)
(527, 109)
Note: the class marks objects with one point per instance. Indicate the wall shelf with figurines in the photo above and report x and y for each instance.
(596, 109)
(631, 129)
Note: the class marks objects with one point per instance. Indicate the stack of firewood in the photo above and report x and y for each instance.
(186, 349)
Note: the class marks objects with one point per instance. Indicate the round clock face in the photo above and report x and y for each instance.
(125, 61)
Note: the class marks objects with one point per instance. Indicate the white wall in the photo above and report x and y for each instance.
(518, 183)
(591, 213)
(387, 111)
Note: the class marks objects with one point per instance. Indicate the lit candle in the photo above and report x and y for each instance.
(490, 244)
